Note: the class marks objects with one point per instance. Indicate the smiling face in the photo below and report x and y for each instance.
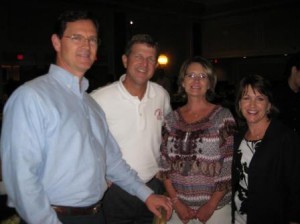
(140, 64)
(254, 106)
(195, 81)
(73, 56)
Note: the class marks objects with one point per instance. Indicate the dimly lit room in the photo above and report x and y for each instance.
(238, 37)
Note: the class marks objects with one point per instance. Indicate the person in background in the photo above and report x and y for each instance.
(56, 148)
(135, 108)
(287, 95)
(197, 148)
(265, 170)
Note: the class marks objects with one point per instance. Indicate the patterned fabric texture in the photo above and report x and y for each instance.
(197, 156)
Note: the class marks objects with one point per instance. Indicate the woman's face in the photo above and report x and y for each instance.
(195, 82)
(254, 106)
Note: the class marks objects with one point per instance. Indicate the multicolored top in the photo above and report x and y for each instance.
(197, 156)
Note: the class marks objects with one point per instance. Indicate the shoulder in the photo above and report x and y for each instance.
(104, 91)
(158, 89)
(171, 118)
(280, 137)
(222, 113)
(278, 134)
(33, 88)
(30, 96)
(277, 128)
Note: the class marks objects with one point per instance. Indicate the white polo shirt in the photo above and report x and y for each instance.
(136, 124)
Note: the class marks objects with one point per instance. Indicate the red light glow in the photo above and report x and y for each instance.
(20, 57)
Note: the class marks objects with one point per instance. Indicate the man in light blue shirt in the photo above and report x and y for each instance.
(56, 149)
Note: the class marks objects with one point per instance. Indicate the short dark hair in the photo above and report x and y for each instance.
(257, 83)
(72, 16)
(141, 39)
(294, 60)
(207, 65)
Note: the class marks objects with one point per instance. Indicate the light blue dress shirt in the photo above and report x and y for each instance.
(56, 148)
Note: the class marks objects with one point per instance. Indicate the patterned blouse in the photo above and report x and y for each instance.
(245, 153)
(197, 156)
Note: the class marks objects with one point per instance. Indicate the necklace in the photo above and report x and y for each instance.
(253, 137)
(257, 132)
(256, 136)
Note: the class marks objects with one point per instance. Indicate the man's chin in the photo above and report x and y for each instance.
(86, 66)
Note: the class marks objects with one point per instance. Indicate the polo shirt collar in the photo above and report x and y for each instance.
(150, 93)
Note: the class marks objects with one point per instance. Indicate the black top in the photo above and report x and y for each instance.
(273, 177)
(288, 103)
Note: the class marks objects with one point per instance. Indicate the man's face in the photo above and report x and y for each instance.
(76, 50)
(140, 64)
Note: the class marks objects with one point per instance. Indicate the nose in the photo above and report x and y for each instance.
(86, 42)
(252, 102)
(144, 61)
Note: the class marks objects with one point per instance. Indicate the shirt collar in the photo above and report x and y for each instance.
(150, 93)
(69, 80)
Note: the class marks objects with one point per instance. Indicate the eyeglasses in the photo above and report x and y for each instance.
(140, 58)
(80, 40)
(196, 76)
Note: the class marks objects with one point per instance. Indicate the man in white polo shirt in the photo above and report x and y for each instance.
(134, 109)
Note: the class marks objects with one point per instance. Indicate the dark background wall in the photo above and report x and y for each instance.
(240, 37)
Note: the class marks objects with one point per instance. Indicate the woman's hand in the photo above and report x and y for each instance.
(205, 212)
(184, 212)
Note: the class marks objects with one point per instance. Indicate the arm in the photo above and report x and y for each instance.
(167, 105)
(119, 172)
(22, 158)
(206, 211)
(184, 212)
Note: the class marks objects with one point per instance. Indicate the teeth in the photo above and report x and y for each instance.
(141, 70)
(84, 54)
(252, 112)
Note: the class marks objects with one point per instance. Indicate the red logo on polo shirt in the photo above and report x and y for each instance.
(158, 114)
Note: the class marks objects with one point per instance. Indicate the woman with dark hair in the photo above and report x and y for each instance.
(266, 177)
(196, 150)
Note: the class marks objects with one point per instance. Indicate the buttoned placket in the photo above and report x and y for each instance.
(141, 115)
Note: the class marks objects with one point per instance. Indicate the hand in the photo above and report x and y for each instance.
(109, 183)
(184, 212)
(155, 202)
(205, 212)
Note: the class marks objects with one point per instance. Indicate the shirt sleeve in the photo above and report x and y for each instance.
(22, 142)
(226, 132)
(167, 105)
(164, 162)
